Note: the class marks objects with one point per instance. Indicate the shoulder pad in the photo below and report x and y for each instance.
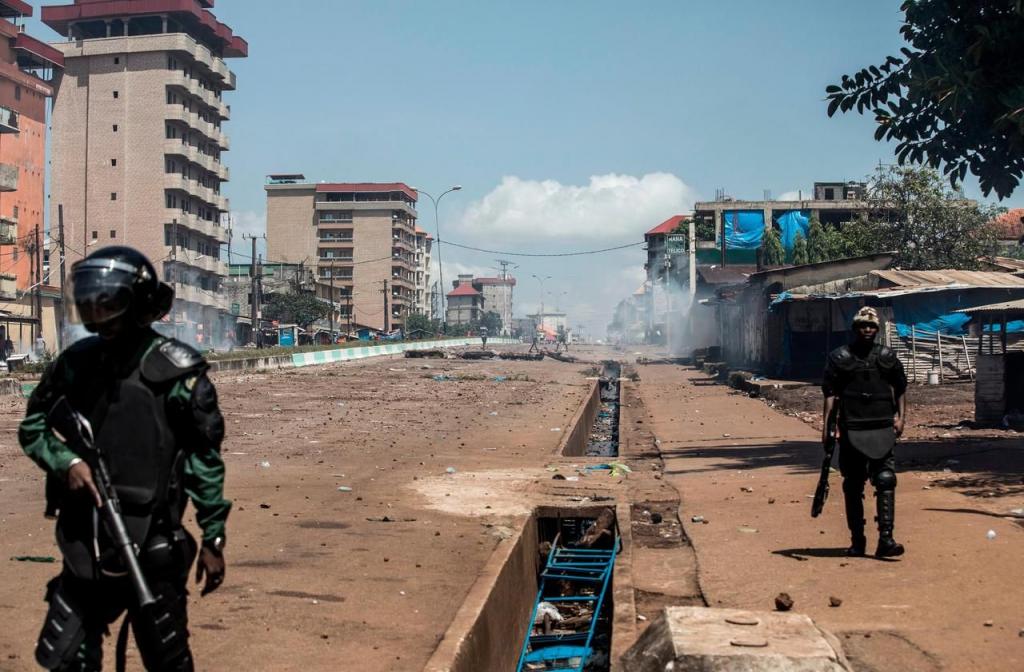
(886, 356)
(170, 360)
(842, 358)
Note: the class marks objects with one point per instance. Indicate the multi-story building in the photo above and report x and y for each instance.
(423, 301)
(138, 142)
(465, 303)
(27, 69)
(359, 237)
(497, 293)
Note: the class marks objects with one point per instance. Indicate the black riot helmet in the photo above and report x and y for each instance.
(116, 287)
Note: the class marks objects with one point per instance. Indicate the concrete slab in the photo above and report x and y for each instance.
(702, 639)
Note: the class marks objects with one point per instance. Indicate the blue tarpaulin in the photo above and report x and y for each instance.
(743, 229)
(792, 223)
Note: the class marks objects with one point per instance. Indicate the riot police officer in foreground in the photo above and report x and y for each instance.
(154, 416)
(866, 383)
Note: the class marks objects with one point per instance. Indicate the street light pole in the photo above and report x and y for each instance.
(437, 227)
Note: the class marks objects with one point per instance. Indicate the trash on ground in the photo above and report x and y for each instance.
(344, 488)
(450, 470)
(991, 534)
(783, 602)
(34, 558)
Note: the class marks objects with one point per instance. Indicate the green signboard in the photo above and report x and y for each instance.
(236, 309)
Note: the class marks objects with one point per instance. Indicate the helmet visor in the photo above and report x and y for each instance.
(99, 291)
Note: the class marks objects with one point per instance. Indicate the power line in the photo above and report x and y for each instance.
(539, 254)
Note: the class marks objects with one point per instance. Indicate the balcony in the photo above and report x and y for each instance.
(334, 240)
(367, 206)
(8, 231)
(196, 223)
(8, 177)
(203, 297)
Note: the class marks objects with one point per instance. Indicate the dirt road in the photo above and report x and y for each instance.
(953, 602)
(316, 579)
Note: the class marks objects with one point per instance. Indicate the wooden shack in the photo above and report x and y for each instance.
(999, 382)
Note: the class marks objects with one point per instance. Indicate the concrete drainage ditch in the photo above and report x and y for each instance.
(594, 431)
(490, 629)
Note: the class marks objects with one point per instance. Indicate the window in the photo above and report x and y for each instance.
(830, 193)
(115, 128)
(113, 162)
(94, 235)
(15, 212)
(116, 94)
(113, 195)
(113, 233)
(117, 60)
(17, 93)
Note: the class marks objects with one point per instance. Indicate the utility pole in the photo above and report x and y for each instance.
(348, 310)
(255, 286)
(386, 314)
(258, 297)
(30, 248)
(63, 255)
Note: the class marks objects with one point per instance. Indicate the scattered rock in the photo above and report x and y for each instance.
(697, 519)
(771, 500)
(989, 624)
(835, 602)
(656, 518)
(558, 477)
(783, 602)
(746, 489)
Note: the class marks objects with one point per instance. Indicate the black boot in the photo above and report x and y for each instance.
(854, 499)
(887, 546)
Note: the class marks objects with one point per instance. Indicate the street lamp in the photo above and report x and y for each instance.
(437, 227)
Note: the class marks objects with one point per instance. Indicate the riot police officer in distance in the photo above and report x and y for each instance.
(154, 417)
(866, 383)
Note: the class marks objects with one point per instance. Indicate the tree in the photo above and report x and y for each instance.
(772, 252)
(492, 321)
(301, 308)
(955, 99)
(801, 254)
(915, 214)
(817, 242)
(418, 325)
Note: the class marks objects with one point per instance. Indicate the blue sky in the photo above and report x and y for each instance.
(524, 103)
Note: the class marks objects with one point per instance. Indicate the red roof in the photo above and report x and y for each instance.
(373, 187)
(495, 281)
(11, 8)
(1009, 225)
(464, 290)
(668, 226)
(196, 12)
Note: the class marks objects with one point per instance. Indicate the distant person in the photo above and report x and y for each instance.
(8, 348)
(864, 381)
(483, 337)
(40, 347)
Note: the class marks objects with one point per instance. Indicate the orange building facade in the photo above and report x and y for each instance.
(28, 296)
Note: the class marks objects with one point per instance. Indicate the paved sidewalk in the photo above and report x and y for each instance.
(925, 611)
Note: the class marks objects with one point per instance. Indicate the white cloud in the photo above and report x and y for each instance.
(608, 207)
(792, 195)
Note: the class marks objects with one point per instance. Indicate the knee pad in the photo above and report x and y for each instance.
(884, 480)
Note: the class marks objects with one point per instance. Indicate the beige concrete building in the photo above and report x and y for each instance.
(424, 298)
(465, 303)
(138, 143)
(359, 237)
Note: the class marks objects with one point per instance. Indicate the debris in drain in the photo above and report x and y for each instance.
(572, 616)
(604, 434)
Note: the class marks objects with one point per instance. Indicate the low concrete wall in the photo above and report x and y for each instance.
(487, 632)
(574, 440)
(347, 354)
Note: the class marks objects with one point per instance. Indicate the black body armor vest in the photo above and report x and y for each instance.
(126, 402)
(866, 399)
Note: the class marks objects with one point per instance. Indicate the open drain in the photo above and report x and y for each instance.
(571, 622)
(604, 434)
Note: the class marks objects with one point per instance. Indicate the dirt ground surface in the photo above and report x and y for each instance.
(320, 579)
(953, 602)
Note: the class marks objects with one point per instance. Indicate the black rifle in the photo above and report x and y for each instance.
(821, 492)
(75, 431)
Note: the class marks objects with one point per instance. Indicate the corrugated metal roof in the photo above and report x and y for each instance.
(668, 226)
(949, 277)
(1016, 306)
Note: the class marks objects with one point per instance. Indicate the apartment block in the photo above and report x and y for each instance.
(359, 237)
(138, 142)
(465, 303)
(27, 70)
(497, 293)
(424, 294)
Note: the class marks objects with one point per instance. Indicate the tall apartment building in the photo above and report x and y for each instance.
(497, 293)
(138, 142)
(422, 303)
(27, 69)
(359, 237)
